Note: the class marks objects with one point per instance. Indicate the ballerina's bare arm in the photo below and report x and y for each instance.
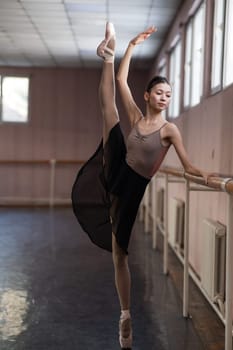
(133, 112)
(172, 133)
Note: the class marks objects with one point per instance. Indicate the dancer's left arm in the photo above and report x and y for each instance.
(130, 105)
(174, 136)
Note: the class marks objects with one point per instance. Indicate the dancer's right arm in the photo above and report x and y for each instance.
(134, 113)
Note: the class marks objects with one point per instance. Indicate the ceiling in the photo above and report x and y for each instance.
(65, 33)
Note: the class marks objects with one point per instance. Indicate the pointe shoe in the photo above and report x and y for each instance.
(110, 31)
(103, 50)
(125, 333)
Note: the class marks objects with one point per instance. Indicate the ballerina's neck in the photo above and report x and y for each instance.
(154, 118)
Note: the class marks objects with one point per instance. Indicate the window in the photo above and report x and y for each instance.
(198, 55)
(194, 58)
(163, 68)
(175, 72)
(187, 65)
(217, 52)
(228, 52)
(14, 92)
(222, 54)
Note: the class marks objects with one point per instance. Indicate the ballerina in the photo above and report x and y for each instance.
(109, 187)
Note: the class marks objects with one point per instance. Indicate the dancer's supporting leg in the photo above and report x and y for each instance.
(111, 118)
(123, 286)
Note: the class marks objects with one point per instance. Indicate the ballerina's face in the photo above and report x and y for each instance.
(159, 96)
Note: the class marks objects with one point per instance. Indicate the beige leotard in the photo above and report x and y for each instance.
(145, 153)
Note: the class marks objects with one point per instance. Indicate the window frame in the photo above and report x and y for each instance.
(227, 20)
(188, 63)
(217, 88)
(14, 75)
(176, 94)
(162, 68)
(190, 24)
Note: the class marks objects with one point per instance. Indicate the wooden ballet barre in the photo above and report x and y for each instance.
(221, 182)
(40, 161)
(70, 162)
(50, 164)
(23, 161)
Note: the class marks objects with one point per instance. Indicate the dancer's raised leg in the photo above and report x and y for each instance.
(107, 83)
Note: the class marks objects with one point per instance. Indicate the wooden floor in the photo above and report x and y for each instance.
(57, 291)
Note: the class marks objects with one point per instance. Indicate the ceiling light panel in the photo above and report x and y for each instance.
(85, 7)
(139, 18)
(89, 44)
(132, 3)
(89, 18)
(93, 2)
(62, 46)
(32, 41)
(11, 12)
(14, 4)
(41, 1)
(83, 31)
(40, 21)
(166, 3)
(43, 6)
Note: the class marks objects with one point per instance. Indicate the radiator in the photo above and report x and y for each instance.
(176, 223)
(213, 259)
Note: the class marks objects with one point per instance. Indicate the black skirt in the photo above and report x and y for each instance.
(107, 193)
